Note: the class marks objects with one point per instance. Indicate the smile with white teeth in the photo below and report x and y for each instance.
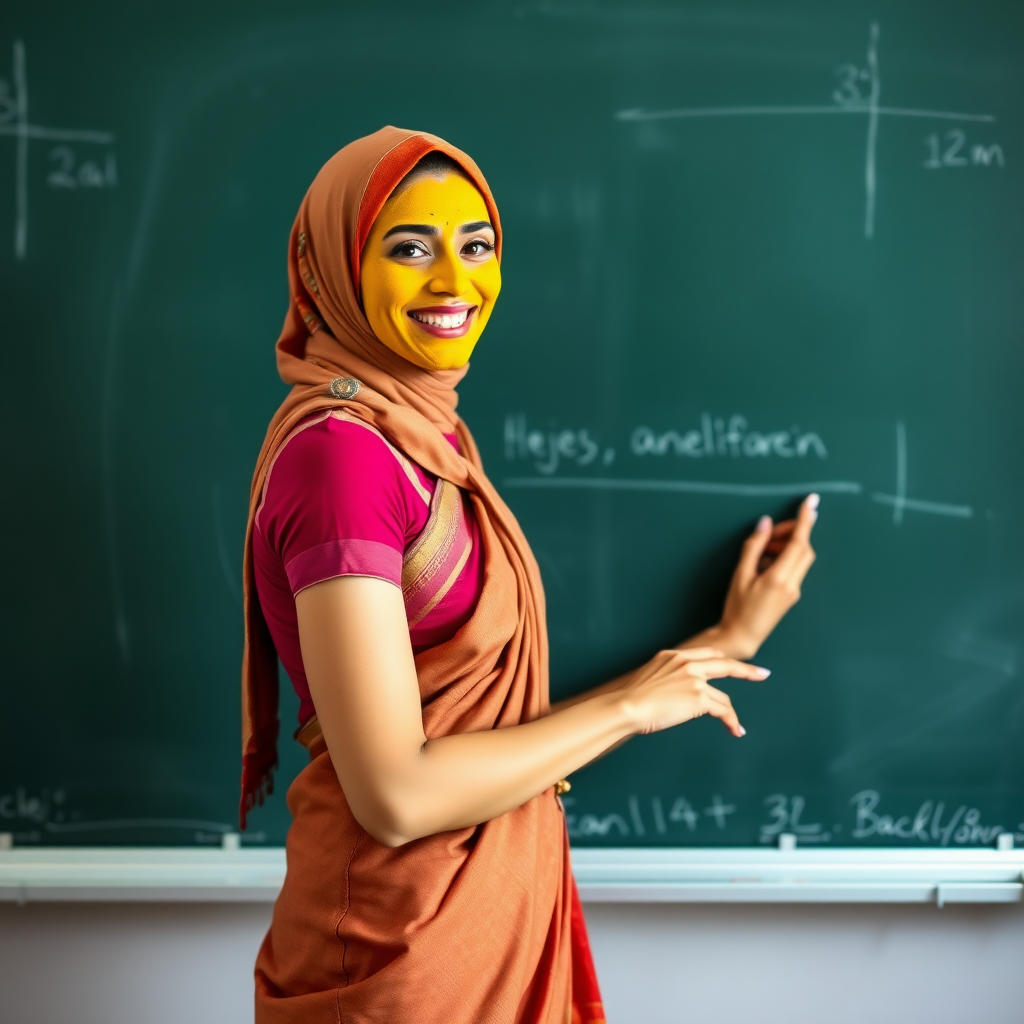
(443, 320)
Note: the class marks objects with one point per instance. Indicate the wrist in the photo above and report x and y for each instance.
(626, 712)
(733, 642)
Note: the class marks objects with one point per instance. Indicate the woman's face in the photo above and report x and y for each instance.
(429, 277)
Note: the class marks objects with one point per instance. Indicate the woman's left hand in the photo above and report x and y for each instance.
(766, 583)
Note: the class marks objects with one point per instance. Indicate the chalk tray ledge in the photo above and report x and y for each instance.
(769, 875)
(620, 875)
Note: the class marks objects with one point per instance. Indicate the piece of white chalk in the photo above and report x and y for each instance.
(6, 840)
(231, 841)
(787, 842)
(1004, 841)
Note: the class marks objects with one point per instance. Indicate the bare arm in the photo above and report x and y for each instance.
(400, 785)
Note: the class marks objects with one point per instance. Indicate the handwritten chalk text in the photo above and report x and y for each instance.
(683, 818)
(732, 438)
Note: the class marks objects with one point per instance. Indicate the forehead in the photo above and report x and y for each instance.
(447, 201)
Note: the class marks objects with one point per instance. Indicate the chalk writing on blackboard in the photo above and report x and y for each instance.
(858, 92)
(951, 149)
(934, 822)
(31, 815)
(24, 805)
(713, 437)
(547, 449)
(732, 438)
(931, 823)
(71, 173)
(68, 169)
(785, 815)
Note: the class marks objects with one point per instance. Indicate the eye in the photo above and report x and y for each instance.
(477, 247)
(409, 250)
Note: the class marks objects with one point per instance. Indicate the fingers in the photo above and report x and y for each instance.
(780, 536)
(725, 668)
(781, 533)
(805, 563)
(720, 706)
(667, 663)
(806, 518)
(753, 549)
(792, 566)
(797, 557)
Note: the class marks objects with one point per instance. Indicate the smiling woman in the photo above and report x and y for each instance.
(428, 865)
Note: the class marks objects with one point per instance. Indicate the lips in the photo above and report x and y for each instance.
(444, 321)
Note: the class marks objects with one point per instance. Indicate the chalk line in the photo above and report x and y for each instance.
(594, 483)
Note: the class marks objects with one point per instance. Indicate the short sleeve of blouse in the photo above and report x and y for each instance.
(338, 503)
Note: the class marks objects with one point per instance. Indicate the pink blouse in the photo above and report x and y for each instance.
(341, 501)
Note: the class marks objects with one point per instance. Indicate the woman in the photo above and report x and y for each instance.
(428, 871)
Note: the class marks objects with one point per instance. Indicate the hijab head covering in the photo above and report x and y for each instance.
(326, 337)
(470, 924)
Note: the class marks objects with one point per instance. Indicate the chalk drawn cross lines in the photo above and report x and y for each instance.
(14, 122)
(849, 104)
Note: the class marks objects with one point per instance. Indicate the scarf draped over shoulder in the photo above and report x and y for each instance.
(326, 337)
(508, 900)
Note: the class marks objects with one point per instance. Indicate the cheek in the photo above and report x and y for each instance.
(487, 281)
(387, 285)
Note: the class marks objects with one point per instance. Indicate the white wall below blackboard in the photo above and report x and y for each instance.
(659, 964)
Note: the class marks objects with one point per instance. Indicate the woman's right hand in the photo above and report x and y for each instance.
(673, 688)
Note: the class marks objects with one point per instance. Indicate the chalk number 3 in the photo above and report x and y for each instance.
(850, 76)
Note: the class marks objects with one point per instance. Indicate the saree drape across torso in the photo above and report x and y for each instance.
(463, 927)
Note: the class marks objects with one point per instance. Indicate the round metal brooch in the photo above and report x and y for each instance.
(345, 387)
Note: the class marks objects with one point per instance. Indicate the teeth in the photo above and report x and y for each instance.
(445, 321)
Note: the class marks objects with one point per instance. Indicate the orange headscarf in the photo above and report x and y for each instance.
(509, 884)
(326, 336)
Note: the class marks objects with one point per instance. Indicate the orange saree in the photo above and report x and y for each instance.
(464, 927)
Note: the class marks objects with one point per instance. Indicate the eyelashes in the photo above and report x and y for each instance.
(415, 250)
(408, 250)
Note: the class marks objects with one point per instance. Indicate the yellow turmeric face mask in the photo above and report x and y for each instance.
(429, 277)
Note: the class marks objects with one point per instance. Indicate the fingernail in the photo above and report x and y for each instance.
(813, 501)
(743, 732)
(764, 523)
(764, 673)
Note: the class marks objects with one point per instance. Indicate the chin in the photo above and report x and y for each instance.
(449, 365)
(443, 361)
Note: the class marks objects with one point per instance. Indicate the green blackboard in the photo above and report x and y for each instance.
(751, 248)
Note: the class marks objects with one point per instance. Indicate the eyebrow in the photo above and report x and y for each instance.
(414, 229)
(429, 229)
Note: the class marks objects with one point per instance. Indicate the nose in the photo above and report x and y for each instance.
(449, 275)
